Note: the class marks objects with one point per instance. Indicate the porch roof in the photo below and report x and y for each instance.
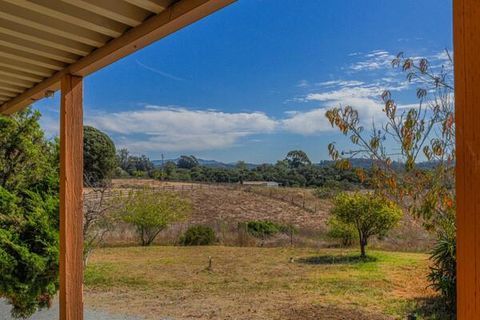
(42, 40)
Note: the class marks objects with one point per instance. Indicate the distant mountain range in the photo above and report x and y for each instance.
(356, 163)
(208, 163)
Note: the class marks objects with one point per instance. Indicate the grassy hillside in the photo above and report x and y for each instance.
(255, 283)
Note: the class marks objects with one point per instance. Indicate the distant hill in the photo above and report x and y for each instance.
(356, 163)
(207, 163)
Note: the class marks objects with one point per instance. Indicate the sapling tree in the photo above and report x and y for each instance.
(151, 211)
(370, 214)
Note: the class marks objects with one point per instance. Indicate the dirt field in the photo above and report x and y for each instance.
(255, 283)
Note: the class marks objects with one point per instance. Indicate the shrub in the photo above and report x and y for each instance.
(443, 276)
(346, 233)
(262, 229)
(198, 236)
(369, 214)
(151, 212)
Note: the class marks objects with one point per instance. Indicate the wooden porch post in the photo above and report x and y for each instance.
(467, 105)
(71, 199)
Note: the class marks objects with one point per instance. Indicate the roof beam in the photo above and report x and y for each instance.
(30, 58)
(118, 10)
(18, 82)
(155, 6)
(70, 14)
(11, 88)
(7, 71)
(7, 94)
(177, 16)
(38, 49)
(26, 67)
(52, 25)
(44, 38)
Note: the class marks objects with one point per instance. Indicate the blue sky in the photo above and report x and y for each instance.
(253, 81)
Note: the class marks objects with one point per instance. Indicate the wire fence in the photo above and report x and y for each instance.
(301, 198)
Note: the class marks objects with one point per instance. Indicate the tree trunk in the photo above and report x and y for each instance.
(363, 244)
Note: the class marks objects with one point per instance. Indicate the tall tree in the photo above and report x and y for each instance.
(297, 158)
(187, 162)
(28, 214)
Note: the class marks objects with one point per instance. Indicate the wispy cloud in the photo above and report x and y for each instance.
(160, 72)
(158, 128)
(374, 60)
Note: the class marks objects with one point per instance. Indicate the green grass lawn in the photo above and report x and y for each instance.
(256, 283)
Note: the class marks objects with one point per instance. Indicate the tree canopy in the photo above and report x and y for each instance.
(99, 156)
(370, 214)
(28, 214)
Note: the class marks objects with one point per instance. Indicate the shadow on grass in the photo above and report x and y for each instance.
(432, 308)
(336, 259)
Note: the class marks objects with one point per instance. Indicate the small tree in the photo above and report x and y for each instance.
(151, 212)
(370, 215)
(98, 218)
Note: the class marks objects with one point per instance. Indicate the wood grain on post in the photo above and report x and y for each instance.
(71, 202)
(466, 17)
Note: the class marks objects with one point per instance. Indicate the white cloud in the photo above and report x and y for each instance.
(307, 123)
(373, 60)
(158, 128)
(342, 83)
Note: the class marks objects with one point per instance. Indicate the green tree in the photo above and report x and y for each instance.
(151, 212)
(28, 214)
(297, 158)
(369, 214)
(99, 156)
(187, 162)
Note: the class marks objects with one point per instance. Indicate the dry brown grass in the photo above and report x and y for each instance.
(254, 283)
(223, 207)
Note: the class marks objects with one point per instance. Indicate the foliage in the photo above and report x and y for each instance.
(198, 236)
(427, 129)
(99, 159)
(369, 214)
(264, 229)
(297, 158)
(134, 165)
(28, 214)
(345, 232)
(187, 162)
(443, 277)
(151, 212)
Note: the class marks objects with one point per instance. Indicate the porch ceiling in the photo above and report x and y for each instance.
(42, 40)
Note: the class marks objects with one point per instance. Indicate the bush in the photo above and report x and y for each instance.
(262, 229)
(198, 236)
(443, 276)
(346, 233)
